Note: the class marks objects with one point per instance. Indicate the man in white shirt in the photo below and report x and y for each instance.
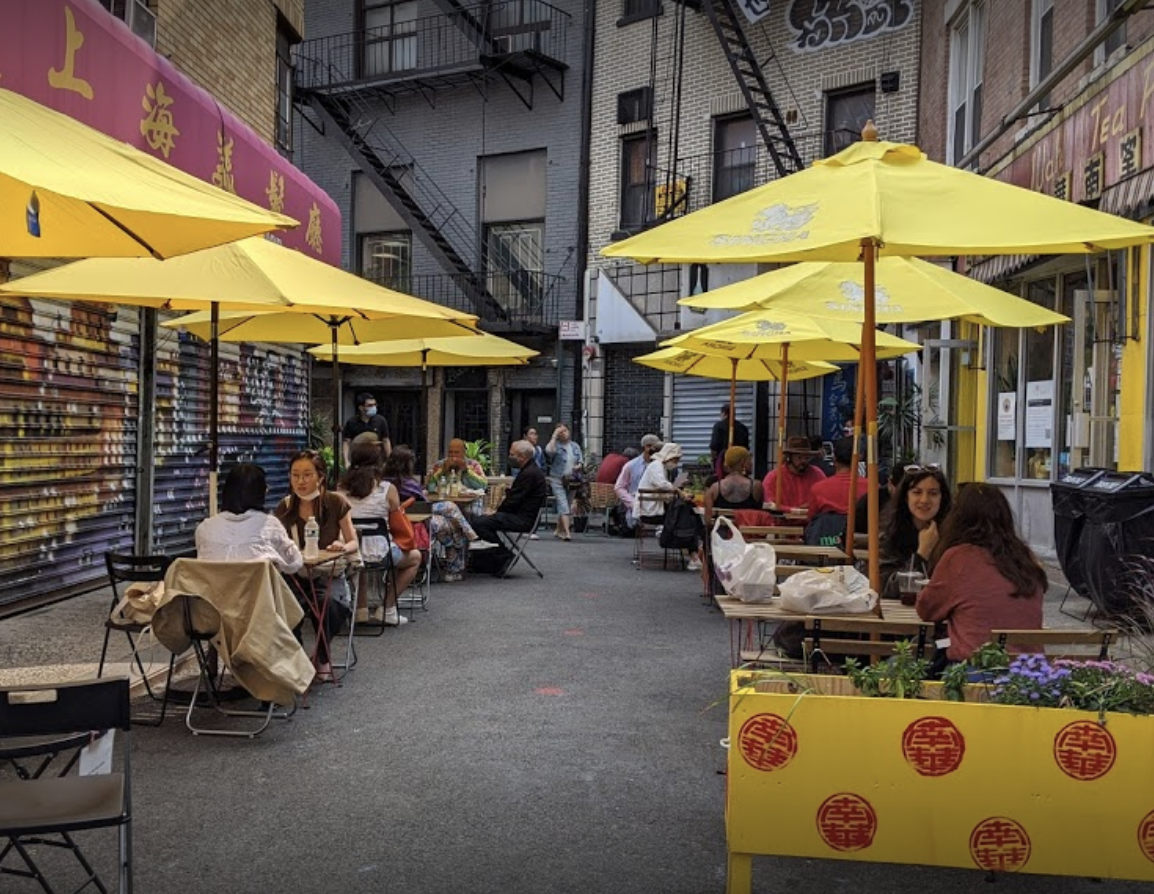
(627, 482)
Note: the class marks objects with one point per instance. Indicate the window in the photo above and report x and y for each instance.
(638, 164)
(846, 113)
(967, 61)
(1115, 41)
(285, 38)
(734, 156)
(514, 262)
(637, 10)
(390, 37)
(387, 259)
(1041, 46)
(518, 26)
(635, 105)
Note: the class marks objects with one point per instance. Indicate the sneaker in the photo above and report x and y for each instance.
(451, 578)
(393, 618)
(693, 565)
(534, 537)
(363, 615)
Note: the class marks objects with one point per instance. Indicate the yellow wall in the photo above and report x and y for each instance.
(1134, 400)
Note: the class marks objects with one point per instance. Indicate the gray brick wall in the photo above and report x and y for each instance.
(633, 395)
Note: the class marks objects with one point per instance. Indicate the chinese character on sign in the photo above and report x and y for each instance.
(275, 192)
(65, 77)
(1092, 177)
(1062, 186)
(1130, 153)
(222, 175)
(157, 126)
(313, 233)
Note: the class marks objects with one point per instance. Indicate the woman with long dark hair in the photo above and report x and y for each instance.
(447, 524)
(371, 496)
(242, 531)
(985, 576)
(910, 526)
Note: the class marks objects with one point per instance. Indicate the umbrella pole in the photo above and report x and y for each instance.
(781, 421)
(423, 437)
(732, 399)
(870, 371)
(336, 407)
(851, 513)
(213, 408)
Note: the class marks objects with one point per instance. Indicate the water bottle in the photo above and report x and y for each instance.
(312, 538)
(442, 487)
(454, 485)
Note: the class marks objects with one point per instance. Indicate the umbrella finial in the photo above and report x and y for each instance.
(869, 133)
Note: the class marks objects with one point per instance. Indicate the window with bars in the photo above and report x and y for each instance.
(514, 263)
(387, 259)
(734, 156)
(846, 113)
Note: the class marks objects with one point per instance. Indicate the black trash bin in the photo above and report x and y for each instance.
(1066, 497)
(1118, 527)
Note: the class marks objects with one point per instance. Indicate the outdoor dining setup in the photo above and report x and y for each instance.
(854, 223)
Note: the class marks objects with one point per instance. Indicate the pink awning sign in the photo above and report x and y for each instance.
(76, 57)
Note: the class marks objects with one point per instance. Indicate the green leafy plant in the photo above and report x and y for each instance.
(320, 439)
(899, 677)
(479, 450)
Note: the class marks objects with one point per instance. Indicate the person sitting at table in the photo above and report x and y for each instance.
(889, 481)
(798, 476)
(985, 577)
(829, 499)
(370, 496)
(518, 511)
(657, 476)
(909, 531)
(447, 524)
(737, 490)
(469, 471)
(242, 531)
(630, 477)
(310, 499)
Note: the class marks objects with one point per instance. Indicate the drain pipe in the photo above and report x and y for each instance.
(1113, 21)
(580, 268)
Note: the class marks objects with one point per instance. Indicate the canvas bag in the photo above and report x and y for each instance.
(401, 529)
(748, 571)
(139, 602)
(836, 590)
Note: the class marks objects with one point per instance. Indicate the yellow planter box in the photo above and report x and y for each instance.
(935, 783)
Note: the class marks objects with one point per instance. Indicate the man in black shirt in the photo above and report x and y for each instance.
(526, 495)
(719, 439)
(366, 420)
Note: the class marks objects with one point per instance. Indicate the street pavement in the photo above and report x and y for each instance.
(522, 735)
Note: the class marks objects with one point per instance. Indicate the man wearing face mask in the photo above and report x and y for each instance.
(366, 420)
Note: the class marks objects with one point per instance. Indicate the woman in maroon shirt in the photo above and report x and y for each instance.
(985, 577)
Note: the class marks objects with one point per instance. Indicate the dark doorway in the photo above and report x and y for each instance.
(402, 410)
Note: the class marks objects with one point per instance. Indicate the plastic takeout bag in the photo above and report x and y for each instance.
(837, 590)
(748, 571)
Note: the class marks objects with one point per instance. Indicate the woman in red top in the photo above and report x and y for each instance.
(985, 577)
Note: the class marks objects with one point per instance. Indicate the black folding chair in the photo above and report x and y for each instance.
(125, 569)
(516, 542)
(38, 810)
(378, 573)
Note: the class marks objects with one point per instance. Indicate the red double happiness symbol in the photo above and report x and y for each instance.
(847, 822)
(1146, 835)
(933, 746)
(999, 844)
(767, 742)
(1084, 750)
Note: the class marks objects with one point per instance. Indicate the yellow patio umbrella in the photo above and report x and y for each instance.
(469, 350)
(72, 192)
(315, 302)
(876, 199)
(733, 370)
(908, 290)
(787, 336)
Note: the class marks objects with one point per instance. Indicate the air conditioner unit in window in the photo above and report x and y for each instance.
(141, 20)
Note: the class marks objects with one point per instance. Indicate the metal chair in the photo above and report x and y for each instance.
(125, 569)
(516, 542)
(377, 573)
(37, 810)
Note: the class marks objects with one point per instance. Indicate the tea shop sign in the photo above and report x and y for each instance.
(1105, 140)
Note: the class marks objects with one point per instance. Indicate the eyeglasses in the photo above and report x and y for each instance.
(928, 467)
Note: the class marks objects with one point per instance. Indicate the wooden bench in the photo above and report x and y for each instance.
(845, 637)
(772, 533)
(1062, 640)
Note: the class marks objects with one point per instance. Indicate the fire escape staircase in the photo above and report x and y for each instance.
(724, 16)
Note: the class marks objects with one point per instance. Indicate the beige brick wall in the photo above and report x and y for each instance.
(229, 48)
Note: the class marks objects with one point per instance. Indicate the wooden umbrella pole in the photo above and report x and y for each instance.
(870, 371)
(851, 513)
(781, 421)
(732, 399)
(213, 408)
(336, 407)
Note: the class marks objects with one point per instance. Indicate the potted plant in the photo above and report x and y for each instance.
(1044, 768)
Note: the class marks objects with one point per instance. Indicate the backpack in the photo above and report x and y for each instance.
(826, 529)
(682, 528)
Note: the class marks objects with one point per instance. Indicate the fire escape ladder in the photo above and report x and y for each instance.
(724, 16)
(468, 24)
(425, 209)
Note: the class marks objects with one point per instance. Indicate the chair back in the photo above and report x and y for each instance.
(371, 527)
(494, 495)
(602, 495)
(45, 709)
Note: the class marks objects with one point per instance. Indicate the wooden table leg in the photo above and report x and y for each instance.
(739, 874)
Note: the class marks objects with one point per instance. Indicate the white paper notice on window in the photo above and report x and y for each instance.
(1007, 412)
(96, 756)
(1039, 413)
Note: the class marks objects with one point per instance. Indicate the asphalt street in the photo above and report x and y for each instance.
(523, 735)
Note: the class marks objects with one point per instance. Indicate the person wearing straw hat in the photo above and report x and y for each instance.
(798, 475)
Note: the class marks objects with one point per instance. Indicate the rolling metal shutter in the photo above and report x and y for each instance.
(697, 405)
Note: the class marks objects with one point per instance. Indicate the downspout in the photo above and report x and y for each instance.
(590, 20)
(1105, 28)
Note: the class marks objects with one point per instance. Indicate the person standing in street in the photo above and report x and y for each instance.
(564, 459)
(719, 440)
(366, 420)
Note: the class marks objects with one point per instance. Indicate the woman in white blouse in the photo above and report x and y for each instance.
(243, 531)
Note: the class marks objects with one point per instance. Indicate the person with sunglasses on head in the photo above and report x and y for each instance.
(985, 577)
(309, 498)
(909, 532)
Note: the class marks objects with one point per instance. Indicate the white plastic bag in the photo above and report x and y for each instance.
(748, 571)
(837, 590)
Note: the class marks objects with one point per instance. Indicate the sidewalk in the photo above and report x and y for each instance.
(522, 735)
